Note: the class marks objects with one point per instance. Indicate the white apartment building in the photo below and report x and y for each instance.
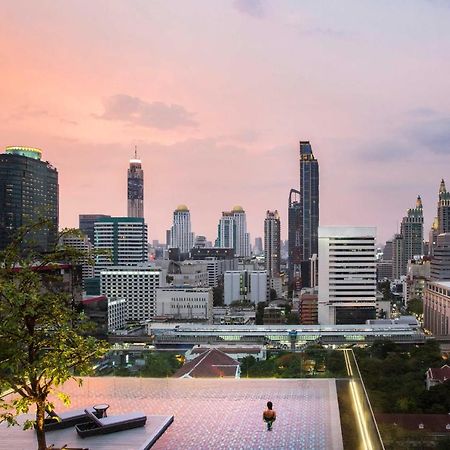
(185, 303)
(122, 241)
(117, 314)
(83, 245)
(258, 286)
(347, 275)
(137, 285)
(245, 285)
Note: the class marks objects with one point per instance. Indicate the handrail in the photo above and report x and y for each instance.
(368, 401)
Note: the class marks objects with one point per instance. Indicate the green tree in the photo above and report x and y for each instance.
(259, 315)
(44, 340)
(415, 306)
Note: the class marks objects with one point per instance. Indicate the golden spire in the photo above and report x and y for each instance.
(419, 202)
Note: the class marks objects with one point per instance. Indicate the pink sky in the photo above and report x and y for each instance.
(216, 95)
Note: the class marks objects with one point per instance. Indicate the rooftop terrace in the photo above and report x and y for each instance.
(218, 413)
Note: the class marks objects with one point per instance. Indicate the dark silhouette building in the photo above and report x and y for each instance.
(86, 224)
(28, 193)
(309, 200)
(294, 240)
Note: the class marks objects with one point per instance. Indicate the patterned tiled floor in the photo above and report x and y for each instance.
(225, 413)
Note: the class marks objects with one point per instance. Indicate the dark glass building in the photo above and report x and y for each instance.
(294, 240)
(86, 224)
(309, 200)
(28, 192)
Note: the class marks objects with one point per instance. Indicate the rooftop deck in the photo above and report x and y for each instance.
(218, 413)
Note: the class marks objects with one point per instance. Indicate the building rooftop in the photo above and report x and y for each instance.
(211, 363)
(217, 413)
(441, 374)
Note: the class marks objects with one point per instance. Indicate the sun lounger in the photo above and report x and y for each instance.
(109, 424)
(66, 419)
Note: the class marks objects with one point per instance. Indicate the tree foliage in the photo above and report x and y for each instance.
(395, 377)
(43, 339)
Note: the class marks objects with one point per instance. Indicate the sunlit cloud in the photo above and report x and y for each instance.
(135, 111)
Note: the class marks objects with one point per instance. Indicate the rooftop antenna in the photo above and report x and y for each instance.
(135, 152)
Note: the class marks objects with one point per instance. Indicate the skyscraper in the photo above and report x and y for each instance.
(443, 209)
(309, 200)
(123, 240)
(412, 231)
(232, 231)
(272, 244)
(294, 240)
(226, 231)
(135, 188)
(242, 247)
(180, 235)
(28, 192)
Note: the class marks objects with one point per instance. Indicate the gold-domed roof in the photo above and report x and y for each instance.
(182, 208)
(238, 208)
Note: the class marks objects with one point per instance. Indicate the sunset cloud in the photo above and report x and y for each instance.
(135, 111)
(254, 8)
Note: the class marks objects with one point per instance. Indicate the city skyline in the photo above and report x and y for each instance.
(372, 126)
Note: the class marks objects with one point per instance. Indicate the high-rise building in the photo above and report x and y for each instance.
(135, 188)
(258, 248)
(398, 258)
(347, 275)
(242, 237)
(28, 192)
(86, 224)
(441, 223)
(443, 209)
(180, 234)
(232, 232)
(294, 240)
(226, 231)
(309, 200)
(387, 251)
(432, 238)
(272, 247)
(440, 262)
(412, 231)
(122, 241)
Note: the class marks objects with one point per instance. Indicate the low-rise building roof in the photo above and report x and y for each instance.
(440, 374)
(212, 363)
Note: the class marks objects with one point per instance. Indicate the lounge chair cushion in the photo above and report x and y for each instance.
(121, 418)
(114, 420)
(74, 413)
